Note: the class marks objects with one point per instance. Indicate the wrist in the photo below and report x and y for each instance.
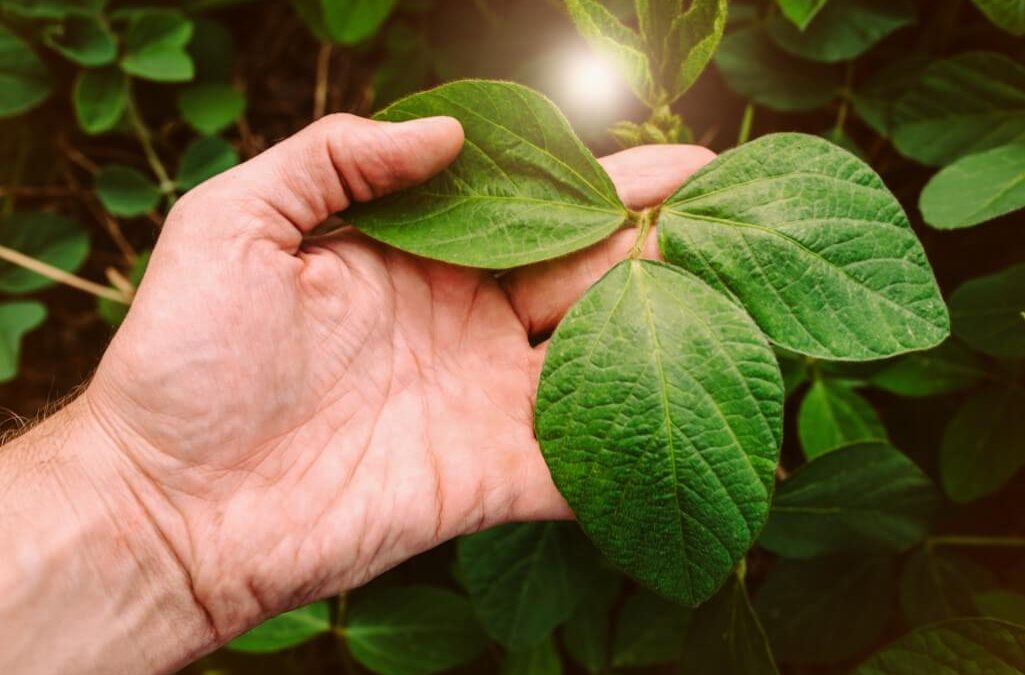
(93, 581)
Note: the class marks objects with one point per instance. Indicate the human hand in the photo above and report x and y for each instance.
(297, 414)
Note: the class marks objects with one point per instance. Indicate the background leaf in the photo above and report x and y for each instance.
(125, 191)
(825, 610)
(203, 159)
(862, 498)
(16, 319)
(649, 630)
(524, 188)
(541, 659)
(727, 637)
(99, 98)
(808, 238)
(984, 444)
(412, 630)
(976, 188)
(155, 42)
(587, 634)
(48, 237)
(692, 41)
(937, 585)
(285, 630)
(24, 82)
(941, 370)
(801, 12)
(87, 41)
(210, 107)
(832, 415)
(667, 457)
(114, 312)
(1007, 14)
(525, 579)
(843, 30)
(755, 67)
(961, 646)
(1003, 605)
(960, 106)
(986, 312)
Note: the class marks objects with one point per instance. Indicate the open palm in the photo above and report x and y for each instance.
(304, 413)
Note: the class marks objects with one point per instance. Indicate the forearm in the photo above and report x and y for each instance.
(86, 583)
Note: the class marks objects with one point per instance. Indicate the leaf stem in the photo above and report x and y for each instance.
(60, 276)
(968, 540)
(142, 132)
(745, 124)
(645, 219)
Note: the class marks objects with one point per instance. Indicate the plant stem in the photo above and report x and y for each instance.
(142, 132)
(967, 540)
(60, 276)
(745, 124)
(323, 69)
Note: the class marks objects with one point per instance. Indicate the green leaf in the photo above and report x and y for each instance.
(843, 30)
(874, 99)
(412, 630)
(655, 19)
(727, 637)
(1003, 605)
(961, 106)
(1007, 14)
(524, 579)
(667, 455)
(942, 370)
(586, 635)
(87, 41)
(16, 319)
(794, 369)
(832, 415)
(99, 98)
(47, 237)
(938, 585)
(649, 630)
(976, 188)
(541, 659)
(986, 313)
(608, 35)
(285, 630)
(204, 158)
(807, 237)
(125, 191)
(756, 68)
(24, 82)
(865, 498)
(524, 188)
(801, 12)
(984, 444)
(53, 9)
(155, 42)
(825, 610)
(210, 107)
(983, 646)
(114, 312)
(353, 21)
(692, 41)
(212, 50)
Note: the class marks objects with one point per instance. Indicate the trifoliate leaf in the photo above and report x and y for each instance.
(867, 497)
(87, 41)
(667, 455)
(524, 188)
(346, 23)
(155, 42)
(811, 242)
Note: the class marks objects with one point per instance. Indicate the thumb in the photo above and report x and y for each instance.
(294, 186)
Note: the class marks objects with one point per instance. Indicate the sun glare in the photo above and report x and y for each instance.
(591, 82)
